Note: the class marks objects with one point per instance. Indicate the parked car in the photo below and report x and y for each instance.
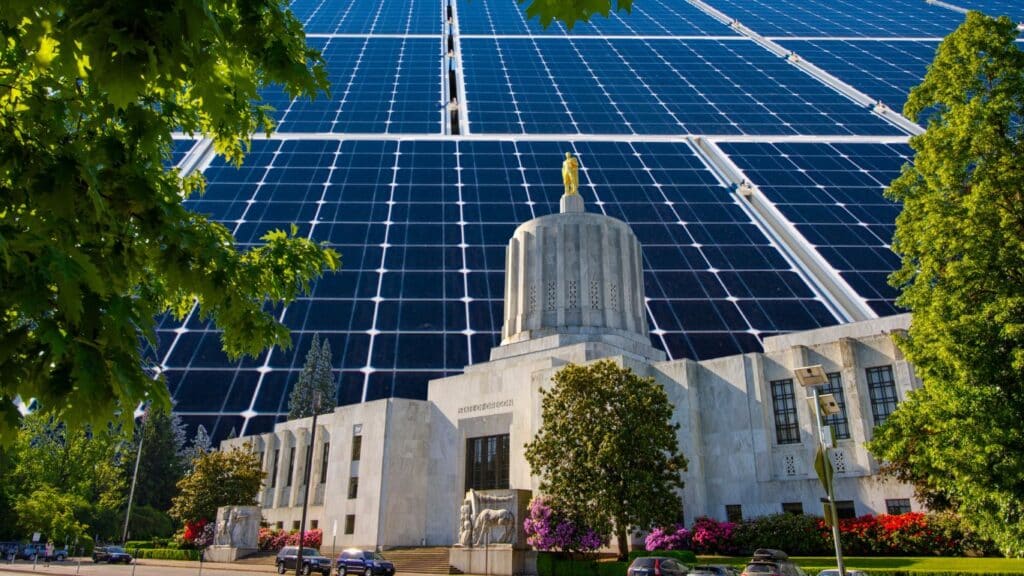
(713, 570)
(8, 548)
(111, 555)
(38, 550)
(768, 562)
(364, 562)
(657, 566)
(312, 561)
(835, 572)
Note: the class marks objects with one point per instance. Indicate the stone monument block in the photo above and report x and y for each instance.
(491, 539)
(236, 534)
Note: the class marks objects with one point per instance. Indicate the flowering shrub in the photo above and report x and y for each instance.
(273, 540)
(711, 536)
(672, 538)
(198, 534)
(547, 529)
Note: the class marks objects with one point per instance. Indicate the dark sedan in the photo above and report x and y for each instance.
(111, 555)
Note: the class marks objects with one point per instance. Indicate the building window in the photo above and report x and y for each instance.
(350, 523)
(353, 487)
(295, 524)
(307, 462)
(897, 506)
(279, 525)
(314, 524)
(793, 508)
(357, 448)
(787, 429)
(882, 388)
(840, 425)
(323, 462)
(487, 462)
(734, 513)
(291, 466)
(845, 509)
(273, 473)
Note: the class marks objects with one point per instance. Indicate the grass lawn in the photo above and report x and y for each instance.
(918, 564)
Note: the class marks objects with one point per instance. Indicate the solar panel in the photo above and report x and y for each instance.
(590, 86)
(863, 18)
(380, 17)
(422, 218)
(179, 149)
(647, 18)
(422, 228)
(885, 70)
(832, 193)
(1011, 8)
(378, 85)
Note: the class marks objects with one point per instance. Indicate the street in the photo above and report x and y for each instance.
(143, 568)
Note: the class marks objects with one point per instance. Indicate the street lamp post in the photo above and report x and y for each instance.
(135, 478)
(305, 498)
(812, 377)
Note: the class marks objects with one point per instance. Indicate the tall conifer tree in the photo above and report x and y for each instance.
(316, 375)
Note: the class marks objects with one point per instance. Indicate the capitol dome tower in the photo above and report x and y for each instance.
(575, 275)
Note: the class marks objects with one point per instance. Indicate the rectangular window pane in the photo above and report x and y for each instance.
(273, 473)
(487, 462)
(840, 425)
(897, 506)
(350, 523)
(314, 524)
(787, 429)
(793, 507)
(734, 512)
(353, 487)
(291, 466)
(357, 448)
(845, 509)
(882, 388)
(323, 462)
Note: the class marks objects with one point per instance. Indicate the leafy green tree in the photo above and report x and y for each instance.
(84, 468)
(316, 377)
(94, 239)
(571, 11)
(220, 478)
(606, 452)
(53, 513)
(162, 462)
(960, 438)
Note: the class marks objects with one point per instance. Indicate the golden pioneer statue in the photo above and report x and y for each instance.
(571, 175)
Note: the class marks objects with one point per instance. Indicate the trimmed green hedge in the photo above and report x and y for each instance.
(164, 553)
(685, 556)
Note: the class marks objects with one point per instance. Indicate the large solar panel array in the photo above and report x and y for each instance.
(669, 109)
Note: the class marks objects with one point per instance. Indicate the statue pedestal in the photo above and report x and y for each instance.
(226, 553)
(496, 559)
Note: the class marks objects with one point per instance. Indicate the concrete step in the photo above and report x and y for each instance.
(431, 560)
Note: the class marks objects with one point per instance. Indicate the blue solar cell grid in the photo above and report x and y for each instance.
(589, 86)
(422, 227)
(885, 70)
(1012, 8)
(379, 17)
(379, 85)
(179, 150)
(648, 18)
(833, 194)
(857, 18)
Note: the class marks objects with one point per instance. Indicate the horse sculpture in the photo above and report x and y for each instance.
(489, 519)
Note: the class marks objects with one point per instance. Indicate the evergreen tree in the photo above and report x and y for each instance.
(316, 376)
(163, 459)
(201, 444)
(606, 452)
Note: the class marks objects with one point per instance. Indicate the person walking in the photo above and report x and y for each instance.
(49, 553)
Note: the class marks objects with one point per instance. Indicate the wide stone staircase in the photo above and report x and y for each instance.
(430, 560)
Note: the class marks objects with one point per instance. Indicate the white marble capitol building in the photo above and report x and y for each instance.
(394, 472)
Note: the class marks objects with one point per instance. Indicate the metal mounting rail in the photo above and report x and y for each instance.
(837, 295)
(875, 105)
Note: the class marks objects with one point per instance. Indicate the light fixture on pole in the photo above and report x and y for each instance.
(140, 413)
(305, 498)
(812, 377)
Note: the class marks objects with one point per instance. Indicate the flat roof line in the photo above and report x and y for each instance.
(796, 138)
